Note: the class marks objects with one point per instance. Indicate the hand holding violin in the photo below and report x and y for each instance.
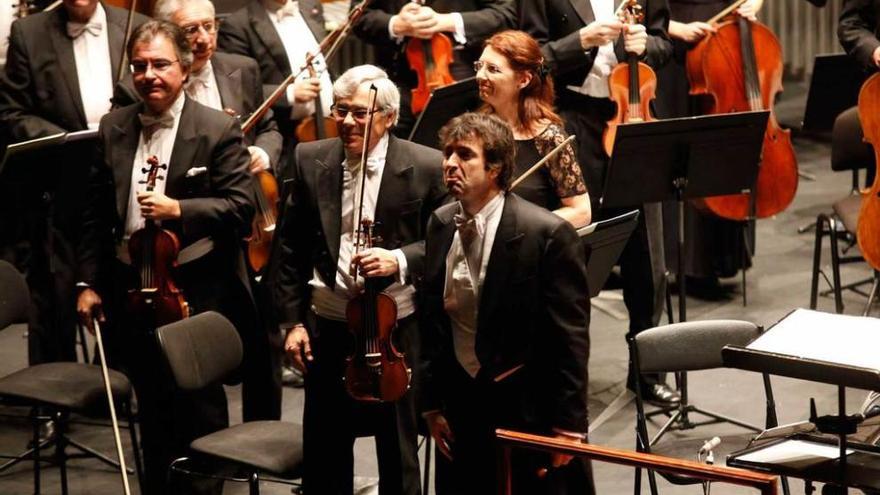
(306, 89)
(598, 33)
(419, 21)
(376, 262)
(635, 39)
(157, 206)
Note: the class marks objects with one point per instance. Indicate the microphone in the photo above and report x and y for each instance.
(709, 445)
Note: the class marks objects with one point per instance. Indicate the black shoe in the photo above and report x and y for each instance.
(661, 395)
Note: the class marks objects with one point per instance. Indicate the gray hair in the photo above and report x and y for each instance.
(387, 94)
(150, 29)
(165, 9)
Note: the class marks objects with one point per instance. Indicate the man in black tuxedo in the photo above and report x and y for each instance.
(505, 337)
(581, 46)
(858, 30)
(278, 34)
(389, 24)
(59, 76)
(229, 82)
(204, 199)
(402, 187)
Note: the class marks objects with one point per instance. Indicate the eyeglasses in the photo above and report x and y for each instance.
(158, 65)
(340, 112)
(192, 30)
(490, 67)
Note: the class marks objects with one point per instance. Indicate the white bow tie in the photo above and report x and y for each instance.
(149, 121)
(351, 169)
(75, 29)
(198, 80)
(468, 226)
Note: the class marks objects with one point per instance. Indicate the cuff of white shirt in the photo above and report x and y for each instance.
(401, 266)
(571, 434)
(459, 34)
(263, 155)
(395, 38)
(291, 96)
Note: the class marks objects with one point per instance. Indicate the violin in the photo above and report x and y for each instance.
(318, 126)
(739, 68)
(868, 233)
(153, 252)
(631, 84)
(375, 371)
(430, 60)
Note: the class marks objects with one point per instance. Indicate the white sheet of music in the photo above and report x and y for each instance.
(794, 451)
(841, 339)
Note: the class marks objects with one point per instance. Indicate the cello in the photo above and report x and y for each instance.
(868, 233)
(430, 60)
(739, 67)
(153, 252)
(631, 84)
(375, 371)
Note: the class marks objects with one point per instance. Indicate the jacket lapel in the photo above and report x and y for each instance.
(184, 150)
(228, 84)
(125, 138)
(63, 46)
(501, 261)
(396, 176)
(312, 12)
(584, 10)
(116, 37)
(329, 196)
(269, 36)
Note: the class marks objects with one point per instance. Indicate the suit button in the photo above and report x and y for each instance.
(564, 18)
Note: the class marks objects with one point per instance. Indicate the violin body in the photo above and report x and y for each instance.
(158, 301)
(376, 371)
(739, 68)
(263, 227)
(632, 86)
(309, 129)
(869, 216)
(430, 59)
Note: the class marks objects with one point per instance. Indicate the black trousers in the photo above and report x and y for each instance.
(332, 420)
(586, 118)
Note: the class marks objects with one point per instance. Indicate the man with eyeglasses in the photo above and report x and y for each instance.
(230, 82)
(402, 187)
(59, 76)
(204, 198)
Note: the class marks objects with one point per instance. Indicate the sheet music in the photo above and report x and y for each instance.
(841, 339)
(794, 451)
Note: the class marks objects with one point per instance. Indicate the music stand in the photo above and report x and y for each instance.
(684, 158)
(819, 347)
(834, 87)
(603, 242)
(444, 104)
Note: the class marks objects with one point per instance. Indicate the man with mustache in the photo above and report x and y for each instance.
(231, 83)
(315, 282)
(203, 197)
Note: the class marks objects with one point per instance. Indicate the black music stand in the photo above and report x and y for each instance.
(804, 345)
(679, 159)
(603, 242)
(444, 104)
(834, 87)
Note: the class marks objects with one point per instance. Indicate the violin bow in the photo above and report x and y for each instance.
(727, 10)
(120, 72)
(555, 151)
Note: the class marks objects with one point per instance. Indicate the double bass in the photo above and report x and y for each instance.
(868, 233)
(739, 68)
(153, 252)
(375, 371)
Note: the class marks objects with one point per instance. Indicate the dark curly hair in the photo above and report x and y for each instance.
(499, 149)
(150, 29)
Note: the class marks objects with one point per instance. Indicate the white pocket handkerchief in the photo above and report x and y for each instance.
(196, 171)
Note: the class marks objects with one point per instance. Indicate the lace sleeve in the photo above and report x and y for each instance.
(564, 169)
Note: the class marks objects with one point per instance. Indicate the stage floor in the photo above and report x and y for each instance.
(778, 282)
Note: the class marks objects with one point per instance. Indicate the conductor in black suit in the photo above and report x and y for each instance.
(504, 320)
(403, 186)
(389, 24)
(229, 82)
(204, 199)
(60, 72)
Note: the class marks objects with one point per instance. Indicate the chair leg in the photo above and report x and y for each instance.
(873, 294)
(637, 483)
(135, 446)
(60, 454)
(254, 484)
(36, 452)
(426, 480)
(817, 260)
(835, 267)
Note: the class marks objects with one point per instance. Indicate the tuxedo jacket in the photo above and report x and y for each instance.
(240, 88)
(533, 312)
(39, 94)
(249, 32)
(214, 202)
(482, 19)
(411, 188)
(858, 30)
(556, 25)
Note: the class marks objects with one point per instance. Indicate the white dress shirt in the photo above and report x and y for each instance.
(596, 82)
(298, 40)
(91, 53)
(155, 141)
(202, 87)
(461, 291)
(331, 303)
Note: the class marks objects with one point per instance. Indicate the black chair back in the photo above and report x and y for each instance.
(200, 350)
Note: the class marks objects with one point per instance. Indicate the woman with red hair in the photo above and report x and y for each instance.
(515, 85)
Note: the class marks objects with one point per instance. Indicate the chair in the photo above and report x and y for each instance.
(848, 152)
(59, 389)
(683, 347)
(203, 350)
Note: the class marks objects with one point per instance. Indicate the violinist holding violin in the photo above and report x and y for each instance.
(202, 198)
(316, 285)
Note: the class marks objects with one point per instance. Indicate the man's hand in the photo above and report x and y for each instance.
(258, 160)
(598, 33)
(88, 307)
(441, 433)
(297, 346)
(157, 206)
(376, 262)
(306, 90)
(876, 56)
(691, 32)
(402, 23)
(635, 40)
(747, 10)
